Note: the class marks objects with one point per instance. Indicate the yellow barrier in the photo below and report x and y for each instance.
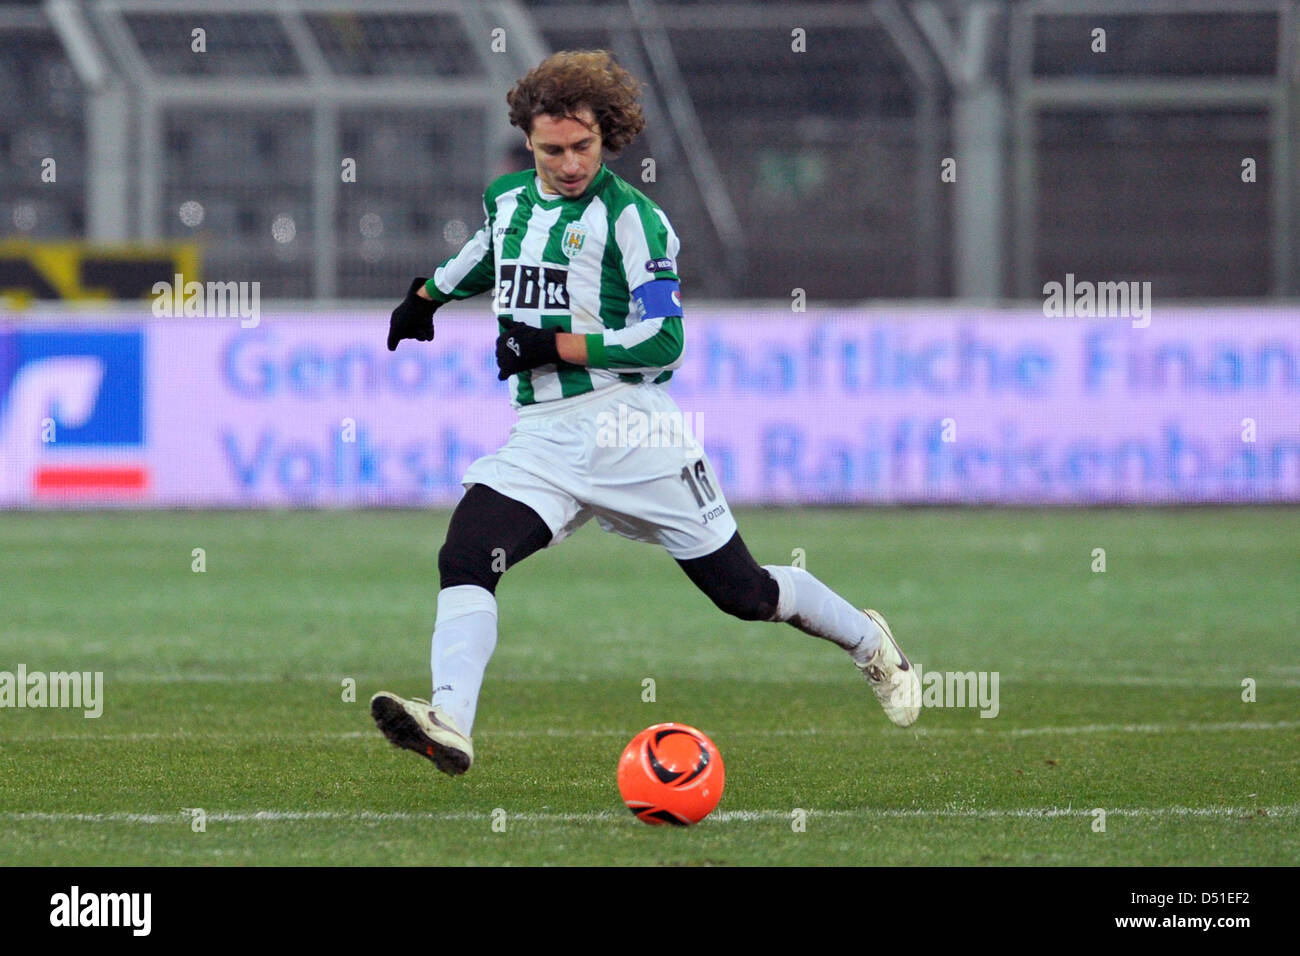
(87, 271)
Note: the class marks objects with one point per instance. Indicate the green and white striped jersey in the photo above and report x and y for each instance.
(573, 264)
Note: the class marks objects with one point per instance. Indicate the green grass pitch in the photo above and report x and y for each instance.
(1120, 691)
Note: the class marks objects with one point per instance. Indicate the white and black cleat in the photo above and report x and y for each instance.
(892, 677)
(417, 725)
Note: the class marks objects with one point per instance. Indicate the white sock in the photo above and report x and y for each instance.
(464, 637)
(815, 609)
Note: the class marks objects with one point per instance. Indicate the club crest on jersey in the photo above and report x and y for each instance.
(575, 234)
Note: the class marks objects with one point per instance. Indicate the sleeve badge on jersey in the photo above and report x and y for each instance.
(659, 265)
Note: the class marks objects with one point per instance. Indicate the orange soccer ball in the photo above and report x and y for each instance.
(671, 773)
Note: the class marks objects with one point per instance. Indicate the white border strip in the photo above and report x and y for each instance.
(723, 816)
(868, 733)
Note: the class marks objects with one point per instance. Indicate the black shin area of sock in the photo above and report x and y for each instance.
(489, 533)
(734, 581)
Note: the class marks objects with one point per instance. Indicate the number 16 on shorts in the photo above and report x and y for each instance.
(697, 478)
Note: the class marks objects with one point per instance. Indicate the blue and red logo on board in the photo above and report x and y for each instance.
(72, 413)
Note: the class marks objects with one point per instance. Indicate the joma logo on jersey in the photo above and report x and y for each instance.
(575, 235)
(532, 287)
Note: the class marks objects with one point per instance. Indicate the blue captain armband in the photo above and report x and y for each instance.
(658, 298)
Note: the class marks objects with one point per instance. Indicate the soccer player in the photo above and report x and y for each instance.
(583, 271)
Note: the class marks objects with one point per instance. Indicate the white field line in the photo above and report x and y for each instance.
(979, 730)
(1227, 726)
(1008, 678)
(1141, 680)
(182, 817)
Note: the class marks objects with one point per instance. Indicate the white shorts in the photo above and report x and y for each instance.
(645, 478)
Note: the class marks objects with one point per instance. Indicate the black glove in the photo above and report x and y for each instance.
(413, 319)
(521, 347)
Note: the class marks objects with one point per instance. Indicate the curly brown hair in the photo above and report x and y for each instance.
(565, 82)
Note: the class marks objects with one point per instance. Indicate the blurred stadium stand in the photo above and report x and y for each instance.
(781, 169)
